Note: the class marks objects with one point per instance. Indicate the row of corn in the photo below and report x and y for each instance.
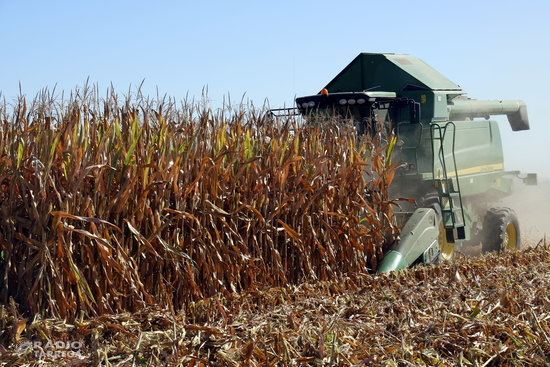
(110, 204)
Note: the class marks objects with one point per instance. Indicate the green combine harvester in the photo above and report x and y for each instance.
(451, 154)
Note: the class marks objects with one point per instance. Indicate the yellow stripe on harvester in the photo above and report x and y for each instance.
(473, 170)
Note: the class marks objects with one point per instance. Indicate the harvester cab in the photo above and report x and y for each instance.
(450, 149)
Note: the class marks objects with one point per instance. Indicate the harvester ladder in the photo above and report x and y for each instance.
(448, 187)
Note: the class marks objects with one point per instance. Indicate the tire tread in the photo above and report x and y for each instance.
(494, 228)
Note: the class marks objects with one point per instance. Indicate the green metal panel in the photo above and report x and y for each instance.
(418, 236)
(423, 72)
(440, 106)
(388, 72)
(478, 154)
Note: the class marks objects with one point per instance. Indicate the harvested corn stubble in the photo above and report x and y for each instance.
(497, 313)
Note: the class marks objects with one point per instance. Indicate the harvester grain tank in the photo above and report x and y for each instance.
(450, 149)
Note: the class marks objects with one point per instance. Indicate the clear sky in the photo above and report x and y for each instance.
(281, 49)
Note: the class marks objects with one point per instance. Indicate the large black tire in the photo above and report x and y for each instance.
(500, 230)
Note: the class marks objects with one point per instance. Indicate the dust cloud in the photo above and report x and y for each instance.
(532, 205)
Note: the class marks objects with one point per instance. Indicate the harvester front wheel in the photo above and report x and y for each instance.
(501, 230)
(446, 248)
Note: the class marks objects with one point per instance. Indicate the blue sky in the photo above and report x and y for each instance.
(280, 49)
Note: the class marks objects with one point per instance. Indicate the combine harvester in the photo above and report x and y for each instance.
(453, 163)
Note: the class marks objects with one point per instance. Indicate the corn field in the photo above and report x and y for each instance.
(115, 204)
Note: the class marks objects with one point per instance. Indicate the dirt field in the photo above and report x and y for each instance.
(486, 311)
